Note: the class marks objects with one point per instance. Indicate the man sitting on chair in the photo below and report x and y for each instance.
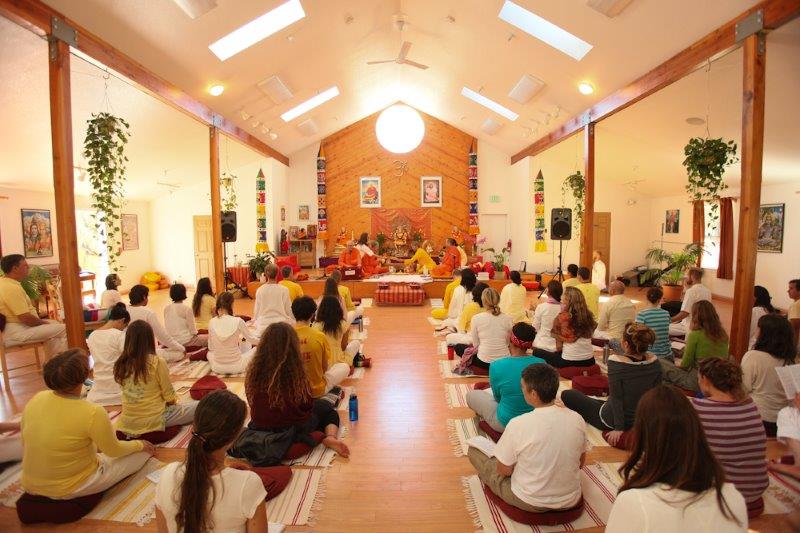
(23, 324)
(450, 261)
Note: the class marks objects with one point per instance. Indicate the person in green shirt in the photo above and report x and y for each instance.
(706, 338)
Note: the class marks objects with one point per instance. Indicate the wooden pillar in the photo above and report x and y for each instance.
(587, 229)
(64, 190)
(216, 210)
(755, 56)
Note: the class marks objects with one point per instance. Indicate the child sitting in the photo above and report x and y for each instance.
(227, 352)
(179, 319)
(105, 346)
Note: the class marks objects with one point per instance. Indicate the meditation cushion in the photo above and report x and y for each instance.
(531, 285)
(198, 354)
(154, 437)
(205, 386)
(625, 442)
(202, 332)
(478, 370)
(549, 518)
(591, 385)
(599, 342)
(301, 277)
(492, 433)
(569, 372)
(481, 385)
(33, 509)
(274, 478)
(299, 449)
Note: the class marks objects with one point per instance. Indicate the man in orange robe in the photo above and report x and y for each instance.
(450, 261)
(349, 258)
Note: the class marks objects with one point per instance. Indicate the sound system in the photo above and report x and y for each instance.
(561, 224)
(228, 226)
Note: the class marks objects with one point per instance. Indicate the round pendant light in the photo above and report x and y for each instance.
(400, 128)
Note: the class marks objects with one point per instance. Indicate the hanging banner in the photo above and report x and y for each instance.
(540, 242)
(261, 213)
(474, 228)
(322, 212)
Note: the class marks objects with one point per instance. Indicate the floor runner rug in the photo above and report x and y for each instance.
(459, 431)
(782, 495)
(294, 505)
(320, 456)
(366, 303)
(189, 369)
(344, 403)
(456, 394)
(595, 436)
(446, 370)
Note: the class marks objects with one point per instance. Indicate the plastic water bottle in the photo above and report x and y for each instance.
(606, 354)
(353, 406)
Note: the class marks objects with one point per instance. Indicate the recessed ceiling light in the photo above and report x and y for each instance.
(216, 90)
(695, 121)
(544, 30)
(311, 103)
(258, 29)
(491, 104)
(585, 88)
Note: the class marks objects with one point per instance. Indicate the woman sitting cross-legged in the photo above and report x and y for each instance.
(148, 399)
(462, 295)
(672, 481)
(544, 317)
(513, 298)
(462, 336)
(505, 400)
(62, 435)
(572, 330)
(733, 429)
(315, 350)
(630, 376)
(230, 343)
(179, 319)
(706, 338)
(490, 331)
(203, 303)
(330, 321)
(201, 493)
(105, 346)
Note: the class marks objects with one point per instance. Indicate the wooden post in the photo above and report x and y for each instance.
(64, 189)
(587, 229)
(755, 57)
(216, 211)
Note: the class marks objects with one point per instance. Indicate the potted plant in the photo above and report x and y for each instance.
(677, 263)
(576, 185)
(500, 260)
(416, 239)
(705, 164)
(258, 265)
(229, 200)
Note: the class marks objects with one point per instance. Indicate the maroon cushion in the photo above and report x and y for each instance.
(37, 509)
(486, 428)
(548, 518)
(625, 442)
(299, 449)
(274, 478)
(531, 285)
(481, 385)
(599, 342)
(202, 331)
(200, 354)
(153, 437)
(569, 372)
(591, 385)
(206, 385)
(479, 371)
(245, 318)
(755, 509)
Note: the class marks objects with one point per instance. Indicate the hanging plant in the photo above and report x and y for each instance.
(576, 185)
(104, 150)
(705, 164)
(229, 200)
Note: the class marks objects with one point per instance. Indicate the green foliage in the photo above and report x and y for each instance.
(681, 261)
(705, 164)
(499, 259)
(259, 263)
(576, 185)
(416, 238)
(104, 150)
(380, 238)
(229, 200)
(34, 282)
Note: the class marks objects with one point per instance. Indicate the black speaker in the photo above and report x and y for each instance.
(228, 226)
(561, 224)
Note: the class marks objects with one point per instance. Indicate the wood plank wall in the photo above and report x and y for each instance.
(355, 152)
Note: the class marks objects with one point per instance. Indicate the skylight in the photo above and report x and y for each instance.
(491, 104)
(310, 104)
(258, 29)
(544, 30)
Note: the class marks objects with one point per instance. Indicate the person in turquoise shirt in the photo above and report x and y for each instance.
(505, 400)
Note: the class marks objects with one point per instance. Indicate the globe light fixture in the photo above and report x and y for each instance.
(400, 128)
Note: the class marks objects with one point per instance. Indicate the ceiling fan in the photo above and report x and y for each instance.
(401, 58)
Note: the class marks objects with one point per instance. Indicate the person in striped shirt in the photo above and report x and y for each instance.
(657, 319)
(733, 428)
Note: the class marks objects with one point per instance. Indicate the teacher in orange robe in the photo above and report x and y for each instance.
(450, 261)
(349, 258)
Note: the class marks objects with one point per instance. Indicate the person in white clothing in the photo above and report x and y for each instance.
(513, 298)
(544, 315)
(179, 319)
(105, 346)
(537, 462)
(490, 331)
(230, 343)
(462, 295)
(111, 295)
(762, 305)
(138, 296)
(695, 292)
(273, 302)
(683, 489)
(617, 312)
(10, 444)
(598, 270)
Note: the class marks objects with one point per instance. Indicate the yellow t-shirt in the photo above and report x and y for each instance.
(62, 436)
(207, 305)
(794, 310)
(592, 295)
(295, 290)
(335, 343)
(14, 300)
(448, 291)
(571, 282)
(344, 292)
(465, 318)
(423, 259)
(316, 356)
(144, 403)
(513, 298)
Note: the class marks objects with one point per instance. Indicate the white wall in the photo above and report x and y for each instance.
(301, 189)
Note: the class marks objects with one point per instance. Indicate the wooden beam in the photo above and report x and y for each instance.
(755, 58)
(64, 189)
(587, 229)
(715, 44)
(216, 211)
(37, 17)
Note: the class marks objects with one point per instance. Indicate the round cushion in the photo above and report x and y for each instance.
(531, 285)
(479, 370)
(755, 509)
(596, 385)
(33, 509)
(274, 478)
(153, 437)
(205, 386)
(481, 385)
(569, 372)
(299, 449)
(625, 442)
(492, 433)
(197, 354)
(548, 518)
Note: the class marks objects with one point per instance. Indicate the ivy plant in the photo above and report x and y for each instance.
(104, 151)
(705, 164)
(229, 200)
(576, 185)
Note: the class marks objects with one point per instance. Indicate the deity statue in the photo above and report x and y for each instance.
(400, 237)
(342, 238)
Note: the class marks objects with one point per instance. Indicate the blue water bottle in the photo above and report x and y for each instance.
(353, 406)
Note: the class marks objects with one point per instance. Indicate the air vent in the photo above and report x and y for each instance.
(308, 127)
(525, 89)
(275, 89)
(609, 8)
(196, 8)
(490, 126)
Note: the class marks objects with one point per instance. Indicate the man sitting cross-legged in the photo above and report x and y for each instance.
(536, 464)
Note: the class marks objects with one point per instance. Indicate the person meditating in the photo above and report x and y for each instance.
(572, 331)
(230, 343)
(591, 294)
(617, 312)
(537, 462)
(351, 310)
(324, 373)
(504, 400)
(462, 295)
(179, 319)
(513, 298)
(295, 290)
(62, 435)
(273, 303)
(203, 303)
(350, 258)
(443, 312)
(545, 315)
(694, 291)
(490, 331)
(451, 260)
(572, 279)
(370, 263)
(139, 297)
(422, 259)
(462, 335)
(111, 295)
(105, 346)
(657, 319)
(330, 321)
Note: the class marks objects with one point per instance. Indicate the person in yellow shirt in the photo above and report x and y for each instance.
(462, 336)
(422, 258)
(572, 279)
(62, 434)
(353, 311)
(513, 298)
(295, 290)
(591, 292)
(149, 402)
(331, 322)
(323, 373)
(441, 313)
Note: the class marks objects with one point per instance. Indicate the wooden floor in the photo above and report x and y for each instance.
(402, 475)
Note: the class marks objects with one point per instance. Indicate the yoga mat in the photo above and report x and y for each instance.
(456, 394)
(366, 303)
(446, 370)
(459, 431)
(294, 505)
(437, 302)
(320, 456)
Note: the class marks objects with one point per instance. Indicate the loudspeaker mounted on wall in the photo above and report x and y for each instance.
(228, 226)
(561, 224)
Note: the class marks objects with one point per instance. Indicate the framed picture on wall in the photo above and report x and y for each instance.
(369, 191)
(312, 231)
(430, 191)
(770, 228)
(37, 232)
(294, 233)
(130, 232)
(672, 221)
(302, 212)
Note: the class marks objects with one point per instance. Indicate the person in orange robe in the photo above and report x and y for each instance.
(450, 261)
(349, 258)
(370, 264)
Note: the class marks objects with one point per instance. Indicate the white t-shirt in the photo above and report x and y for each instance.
(658, 509)
(457, 302)
(179, 322)
(273, 304)
(237, 495)
(490, 335)
(141, 312)
(543, 318)
(225, 346)
(580, 350)
(545, 446)
(365, 250)
(757, 313)
(109, 298)
(599, 274)
(106, 346)
(693, 294)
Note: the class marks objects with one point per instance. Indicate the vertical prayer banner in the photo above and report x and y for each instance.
(261, 212)
(474, 228)
(540, 244)
(322, 212)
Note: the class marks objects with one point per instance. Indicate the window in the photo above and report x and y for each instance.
(710, 258)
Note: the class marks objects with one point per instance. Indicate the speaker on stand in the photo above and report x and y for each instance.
(560, 230)
(228, 223)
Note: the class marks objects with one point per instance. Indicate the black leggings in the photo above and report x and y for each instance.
(480, 364)
(588, 408)
(771, 428)
(322, 415)
(554, 359)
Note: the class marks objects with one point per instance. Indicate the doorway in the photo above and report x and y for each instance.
(203, 246)
(601, 238)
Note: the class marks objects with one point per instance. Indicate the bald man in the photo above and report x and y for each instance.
(615, 314)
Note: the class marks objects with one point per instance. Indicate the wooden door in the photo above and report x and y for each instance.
(601, 239)
(203, 247)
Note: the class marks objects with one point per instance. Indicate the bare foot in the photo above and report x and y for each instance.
(337, 446)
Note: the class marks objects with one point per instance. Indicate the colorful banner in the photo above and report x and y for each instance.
(538, 216)
(261, 213)
(322, 212)
(474, 228)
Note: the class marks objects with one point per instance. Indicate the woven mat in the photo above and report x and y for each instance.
(189, 369)
(446, 370)
(294, 505)
(320, 456)
(366, 303)
(456, 394)
(459, 431)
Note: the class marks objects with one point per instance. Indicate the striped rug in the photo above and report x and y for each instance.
(320, 456)
(782, 495)
(459, 431)
(294, 505)
(189, 369)
(456, 394)
(446, 370)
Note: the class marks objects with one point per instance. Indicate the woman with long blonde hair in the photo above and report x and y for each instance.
(572, 329)
(490, 330)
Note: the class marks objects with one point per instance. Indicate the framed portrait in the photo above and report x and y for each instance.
(672, 221)
(302, 212)
(369, 191)
(37, 232)
(312, 231)
(294, 233)
(770, 228)
(523, 266)
(130, 232)
(430, 191)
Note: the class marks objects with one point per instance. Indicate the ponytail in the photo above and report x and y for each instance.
(491, 301)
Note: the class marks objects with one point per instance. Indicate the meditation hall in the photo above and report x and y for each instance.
(400, 266)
